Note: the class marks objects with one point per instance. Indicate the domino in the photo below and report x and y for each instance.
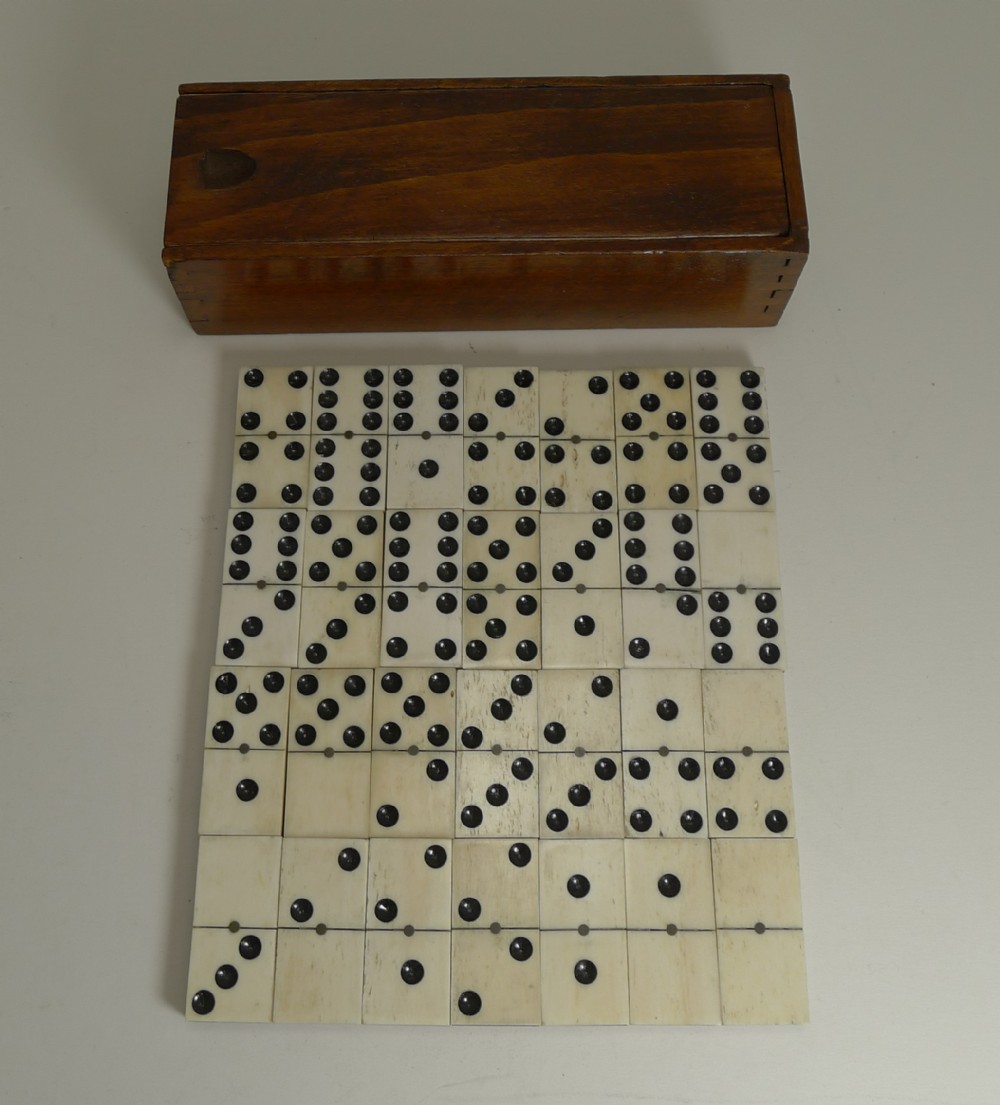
(502, 628)
(578, 476)
(264, 546)
(349, 400)
(347, 472)
(343, 548)
(231, 975)
(274, 401)
(501, 549)
(330, 710)
(501, 473)
(425, 399)
(495, 884)
(734, 475)
(423, 548)
(501, 401)
(270, 473)
(729, 402)
(576, 405)
(248, 707)
(496, 977)
(653, 401)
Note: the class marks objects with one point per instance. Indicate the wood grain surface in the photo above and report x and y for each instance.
(484, 204)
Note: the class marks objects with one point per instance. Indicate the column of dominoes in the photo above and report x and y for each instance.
(236, 920)
(751, 819)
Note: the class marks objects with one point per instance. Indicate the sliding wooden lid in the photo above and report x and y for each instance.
(484, 167)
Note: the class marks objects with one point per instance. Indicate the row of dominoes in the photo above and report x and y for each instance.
(512, 473)
(599, 628)
(494, 793)
(553, 710)
(471, 549)
(447, 400)
(502, 931)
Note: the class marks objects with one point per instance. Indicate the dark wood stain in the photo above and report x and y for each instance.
(472, 204)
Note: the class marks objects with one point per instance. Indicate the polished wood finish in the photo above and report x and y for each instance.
(485, 204)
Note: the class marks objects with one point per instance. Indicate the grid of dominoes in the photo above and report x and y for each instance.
(496, 730)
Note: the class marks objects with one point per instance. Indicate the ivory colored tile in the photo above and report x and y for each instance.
(319, 976)
(231, 975)
(580, 549)
(425, 399)
(340, 629)
(424, 472)
(349, 399)
(584, 978)
(412, 794)
(242, 793)
(734, 475)
(273, 399)
(500, 548)
(652, 400)
(656, 475)
(750, 795)
(576, 477)
(582, 631)
(501, 400)
(662, 708)
(343, 547)
(738, 548)
(662, 630)
(407, 978)
(237, 881)
(348, 473)
(669, 882)
(579, 710)
(263, 546)
(409, 884)
(423, 547)
(327, 795)
(724, 399)
(495, 978)
(576, 404)
(665, 795)
(743, 629)
(659, 549)
(582, 882)
(497, 709)
(501, 473)
(757, 882)
(673, 979)
(247, 706)
(763, 977)
(323, 882)
(270, 473)
(258, 626)
(331, 708)
(421, 628)
(415, 707)
(496, 794)
(744, 709)
(502, 629)
(498, 881)
(580, 796)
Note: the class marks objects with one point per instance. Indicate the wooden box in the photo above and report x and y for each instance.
(485, 204)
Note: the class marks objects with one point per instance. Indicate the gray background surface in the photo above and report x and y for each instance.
(115, 430)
